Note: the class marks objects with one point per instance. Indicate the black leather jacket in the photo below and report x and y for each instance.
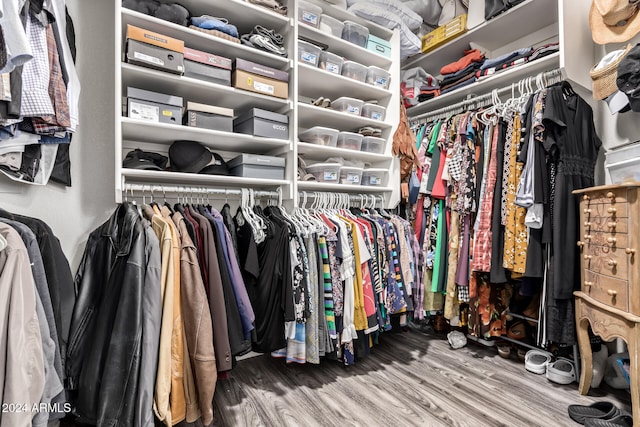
(104, 352)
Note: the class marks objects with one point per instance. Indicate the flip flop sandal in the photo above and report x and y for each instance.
(326, 103)
(216, 33)
(602, 410)
(377, 132)
(318, 102)
(536, 361)
(504, 350)
(521, 354)
(271, 4)
(561, 371)
(620, 420)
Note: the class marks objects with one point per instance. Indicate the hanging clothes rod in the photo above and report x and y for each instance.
(341, 199)
(128, 188)
(547, 78)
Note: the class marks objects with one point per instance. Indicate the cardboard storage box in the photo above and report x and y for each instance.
(260, 79)
(258, 122)
(153, 106)
(206, 66)
(209, 117)
(257, 166)
(379, 46)
(155, 57)
(156, 39)
(444, 33)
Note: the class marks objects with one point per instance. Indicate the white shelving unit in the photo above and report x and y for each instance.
(531, 23)
(304, 80)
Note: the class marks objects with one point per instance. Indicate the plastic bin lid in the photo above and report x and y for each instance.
(320, 129)
(347, 99)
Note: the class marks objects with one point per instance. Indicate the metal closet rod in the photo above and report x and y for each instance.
(196, 190)
(486, 99)
(352, 196)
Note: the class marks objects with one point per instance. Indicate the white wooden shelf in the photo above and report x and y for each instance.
(341, 188)
(162, 133)
(345, 15)
(136, 175)
(242, 14)
(315, 82)
(202, 41)
(519, 21)
(485, 86)
(310, 115)
(197, 90)
(321, 152)
(344, 48)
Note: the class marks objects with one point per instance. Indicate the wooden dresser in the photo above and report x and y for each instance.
(609, 299)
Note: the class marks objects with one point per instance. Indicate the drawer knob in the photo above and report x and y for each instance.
(587, 211)
(612, 263)
(611, 195)
(611, 225)
(588, 257)
(611, 240)
(611, 210)
(580, 243)
(587, 224)
(586, 197)
(588, 284)
(629, 251)
(588, 237)
(612, 293)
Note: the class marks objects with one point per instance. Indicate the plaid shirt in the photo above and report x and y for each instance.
(35, 74)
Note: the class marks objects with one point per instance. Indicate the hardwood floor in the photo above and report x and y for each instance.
(410, 379)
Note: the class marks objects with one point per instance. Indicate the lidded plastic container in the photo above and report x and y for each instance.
(374, 111)
(371, 144)
(309, 13)
(374, 176)
(355, 33)
(376, 76)
(320, 135)
(329, 24)
(308, 53)
(354, 71)
(331, 62)
(325, 172)
(351, 175)
(348, 105)
(350, 140)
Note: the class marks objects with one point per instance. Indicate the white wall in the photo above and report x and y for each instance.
(74, 212)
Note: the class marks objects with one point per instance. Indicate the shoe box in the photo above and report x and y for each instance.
(208, 117)
(258, 78)
(259, 122)
(206, 66)
(379, 46)
(153, 106)
(257, 166)
(154, 50)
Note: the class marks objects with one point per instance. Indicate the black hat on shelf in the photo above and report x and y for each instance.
(193, 157)
(139, 159)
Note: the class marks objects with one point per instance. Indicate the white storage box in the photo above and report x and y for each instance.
(623, 164)
(351, 175)
(331, 25)
(350, 140)
(331, 62)
(373, 111)
(354, 70)
(374, 176)
(371, 144)
(348, 105)
(376, 76)
(321, 136)
(308, 53)
(309, 13)
(325, 172)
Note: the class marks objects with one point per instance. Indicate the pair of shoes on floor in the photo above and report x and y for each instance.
(560, 371)
(505, 349)
(600, 414)
(322, 102)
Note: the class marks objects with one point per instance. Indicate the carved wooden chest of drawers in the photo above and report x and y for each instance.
(609, 238)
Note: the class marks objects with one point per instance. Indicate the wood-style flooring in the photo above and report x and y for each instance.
(410, 379)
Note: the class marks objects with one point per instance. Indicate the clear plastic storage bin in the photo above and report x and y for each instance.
(373, 111)
(320, 135)
(325, 172)
(350, 140)
(348, 105)
(308, 53)
(331, 62)
(355, 33)
(376, 76)
(374, 176)
(371, 144)
(309, 13)
(351, 175)
(354, 71)
(331, 25)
